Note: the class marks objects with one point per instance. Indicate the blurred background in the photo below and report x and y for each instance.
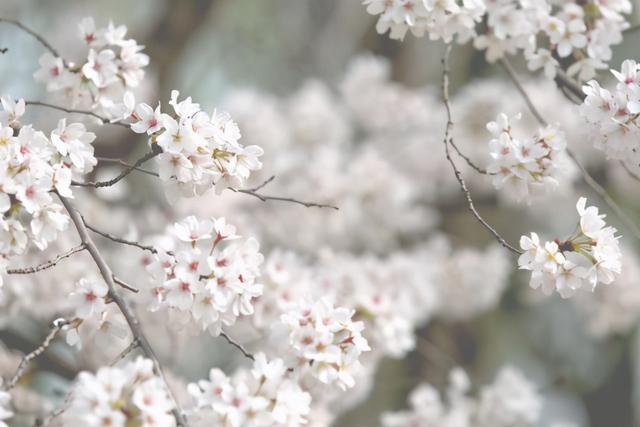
(352, 118)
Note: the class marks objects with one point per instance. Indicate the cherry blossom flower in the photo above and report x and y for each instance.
(590, 256)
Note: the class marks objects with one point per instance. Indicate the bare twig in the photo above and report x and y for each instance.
(456, 171)
(148, 156)
(120, 239)
(26, 360)
(124, 353)
(631, 173)
(254, 192)
(129, 315)
(48, 264)
(468, 160)
(28, 30)
(588, 179)
(125, 285)
(237, 345)
(127, 165)
(104, 120)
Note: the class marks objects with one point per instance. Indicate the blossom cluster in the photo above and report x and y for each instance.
(545, 31)
(113, 396)
(199, 151)
(208, 277)
(114, 65)
(439, 20)
(525, 167)
(267, 395)
(326, 342)
(613, 115)
(590, 256)
(32, 166)
(511, 400)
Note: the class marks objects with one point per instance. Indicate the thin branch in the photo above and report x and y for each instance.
(124, 353)
(468, 160)
(148, 156)
(254, 192)
(104, 120)
(588, 179)
(127, 165)
(120, 239)
(600, 191)
(127, 312)
(125, 285)
(237, 345)
(631, 173)
(48, 264)
(448, 140)
(564, 81)
(37, 36)
(26, 360)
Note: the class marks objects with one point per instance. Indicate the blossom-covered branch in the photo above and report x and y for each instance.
(132, 321)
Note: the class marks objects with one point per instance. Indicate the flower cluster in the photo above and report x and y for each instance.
(544, 31)
(113, 66)
(525, 167)
(613, 115)
(511, 400)
(326, 343)
(438, 19)
(264, 396)
(208, 278)
(32, 166)
(591, 255)
(199, 151)
(132, 395)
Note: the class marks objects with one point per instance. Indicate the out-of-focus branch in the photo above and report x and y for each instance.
(104, 120)
(127, 350)
(48, 264)
(37, 36)
(127, 312)
(588, 179)
(447, 140)
(26, 360)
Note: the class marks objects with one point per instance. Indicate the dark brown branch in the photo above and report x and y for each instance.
(468, 160)
(26, 360)
(37, 36)
(237, 345)
(588, 179)
(447, 140)
(125, 285)
(148, 156)
(127, 312)
(254, 192)
(48, 264)
(127, 165)
(104, 120)
(120, 239)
